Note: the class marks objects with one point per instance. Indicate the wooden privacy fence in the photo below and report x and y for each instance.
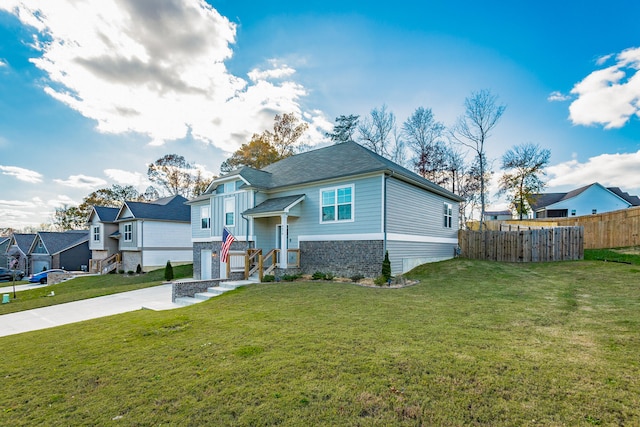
(531, 245)
(605, 230)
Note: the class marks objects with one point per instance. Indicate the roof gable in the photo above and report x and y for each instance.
(55, 242)
(104, 213)
(168, 209)
(23, 241)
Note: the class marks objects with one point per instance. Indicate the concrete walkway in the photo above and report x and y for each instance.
(154, 298)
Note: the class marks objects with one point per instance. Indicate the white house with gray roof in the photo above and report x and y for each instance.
(588, 200)
(339, 208)
(152, 233)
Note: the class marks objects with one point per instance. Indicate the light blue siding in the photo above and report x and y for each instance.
(367, 210)
(196, 230)
(243, 200)
(411, 210)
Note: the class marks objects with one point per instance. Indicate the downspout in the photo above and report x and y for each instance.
(141, 244)
(384, 212)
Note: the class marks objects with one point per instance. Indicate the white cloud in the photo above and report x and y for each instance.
(61, 201)
(273, 73)
(610, 170)
(3, 63)
(609, 96)
(155, 68)
(82, 181)
(127, 178)
(16, 204)
(557, 97)
(22, 174)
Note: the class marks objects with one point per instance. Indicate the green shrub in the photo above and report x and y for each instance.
(138, 269)
(130, 272)
(269, 278)
(356, 278)
(318, 275)
(386, 267)
(329, 276)
(120, 271)
(168, 272)
(290, 277)
(381, 281)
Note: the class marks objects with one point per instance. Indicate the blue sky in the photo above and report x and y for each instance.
(93, 91)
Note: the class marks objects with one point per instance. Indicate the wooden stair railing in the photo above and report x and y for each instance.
(264, 265)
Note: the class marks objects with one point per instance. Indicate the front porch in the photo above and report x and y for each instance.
(256, 263)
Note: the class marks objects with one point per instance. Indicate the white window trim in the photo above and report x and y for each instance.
(208, 213)
(448, 214)
(353, 203)
(230, 201)
(130, 239)
(94, 234)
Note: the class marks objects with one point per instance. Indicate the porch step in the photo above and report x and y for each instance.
(214, 291)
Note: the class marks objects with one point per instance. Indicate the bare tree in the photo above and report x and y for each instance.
(375, 131)
(175, 175)
(482, 113)
(524, 165)
(378, 132)
(423, 135)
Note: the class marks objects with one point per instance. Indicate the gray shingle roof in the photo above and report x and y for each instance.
(331, 162)
(169, 209)
(106, 214)
(56, 242)
(277, 204)
(633, 200)
(24, 241)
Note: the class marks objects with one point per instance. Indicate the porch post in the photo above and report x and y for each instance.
(284, 241)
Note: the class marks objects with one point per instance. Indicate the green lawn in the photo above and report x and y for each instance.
(88, 287)
(474, 343)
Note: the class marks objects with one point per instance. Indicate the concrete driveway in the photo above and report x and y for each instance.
(153, 298)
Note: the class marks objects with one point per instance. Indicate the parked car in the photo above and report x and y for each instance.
(42, 276)
(9, 275)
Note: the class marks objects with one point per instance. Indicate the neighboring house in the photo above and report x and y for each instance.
(68, 250)
(497, 215)
(22, 242)
(588, 200)
(103, 232)
(4, 246)
(152, 233)
(341, 207)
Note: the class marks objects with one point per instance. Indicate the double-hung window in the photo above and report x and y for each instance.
(128, 232)
(229, 212)
(337, 204)
(96, 233)
(205, 217)
(448, 215)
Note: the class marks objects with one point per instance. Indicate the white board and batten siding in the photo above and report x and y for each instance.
(164, 241)
(166, 234)
(416, 233)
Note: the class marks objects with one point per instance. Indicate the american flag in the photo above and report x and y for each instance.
(227, 240)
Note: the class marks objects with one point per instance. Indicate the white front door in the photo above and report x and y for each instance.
(205, 264)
